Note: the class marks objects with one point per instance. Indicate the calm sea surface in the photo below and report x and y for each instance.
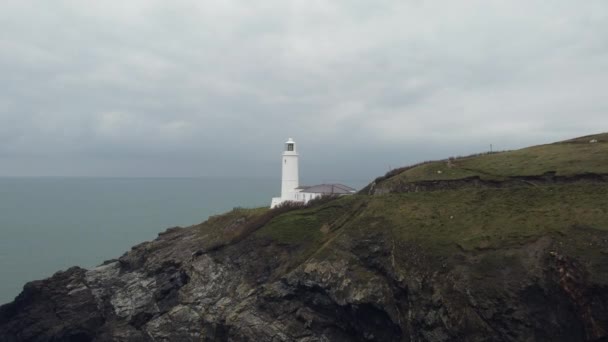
(49, 224)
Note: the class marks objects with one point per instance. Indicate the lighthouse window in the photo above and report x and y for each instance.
(289, 147)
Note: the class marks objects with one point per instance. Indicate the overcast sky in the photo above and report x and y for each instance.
(214, 88)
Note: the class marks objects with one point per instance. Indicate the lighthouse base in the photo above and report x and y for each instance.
(275, 201)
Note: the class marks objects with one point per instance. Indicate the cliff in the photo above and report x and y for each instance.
(510, 246)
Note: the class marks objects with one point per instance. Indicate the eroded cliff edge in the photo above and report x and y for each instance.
(521, 262)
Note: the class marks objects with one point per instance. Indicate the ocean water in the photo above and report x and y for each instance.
(50, 224)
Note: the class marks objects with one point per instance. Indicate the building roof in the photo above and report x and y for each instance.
(328, 189)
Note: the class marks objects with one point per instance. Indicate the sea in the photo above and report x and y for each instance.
(51, 224)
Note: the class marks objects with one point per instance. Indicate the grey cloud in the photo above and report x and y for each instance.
(214, 87)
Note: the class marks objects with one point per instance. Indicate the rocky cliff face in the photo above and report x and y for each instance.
(368, 287)
(505, 263)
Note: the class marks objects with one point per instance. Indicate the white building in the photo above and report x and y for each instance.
(290, 181)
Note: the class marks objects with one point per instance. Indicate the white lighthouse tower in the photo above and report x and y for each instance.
(290, 179)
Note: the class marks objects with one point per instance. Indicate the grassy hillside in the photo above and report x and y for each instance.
(444, 226)
(567, 158)
(447, 224)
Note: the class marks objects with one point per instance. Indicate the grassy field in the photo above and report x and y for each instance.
(565, 158)
(475, 219)
(443, 224)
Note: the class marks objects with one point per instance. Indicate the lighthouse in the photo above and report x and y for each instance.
(290, 178)
(291, 191)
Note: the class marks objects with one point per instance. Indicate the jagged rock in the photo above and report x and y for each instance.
(362, 296)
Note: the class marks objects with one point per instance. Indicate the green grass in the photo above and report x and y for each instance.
(491, 218)
(433, 230)
(221, 229)
(293, 228)
(444, 223)
(566, 158)
(309, 225)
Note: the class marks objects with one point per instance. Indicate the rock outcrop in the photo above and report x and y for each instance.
(172, 290)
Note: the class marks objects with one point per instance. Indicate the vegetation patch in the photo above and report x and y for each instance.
(445, 222)
(308, 223)
(293, 228)
(585, 155)
(220, 230)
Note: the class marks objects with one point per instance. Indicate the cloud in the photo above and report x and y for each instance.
(216, 86)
